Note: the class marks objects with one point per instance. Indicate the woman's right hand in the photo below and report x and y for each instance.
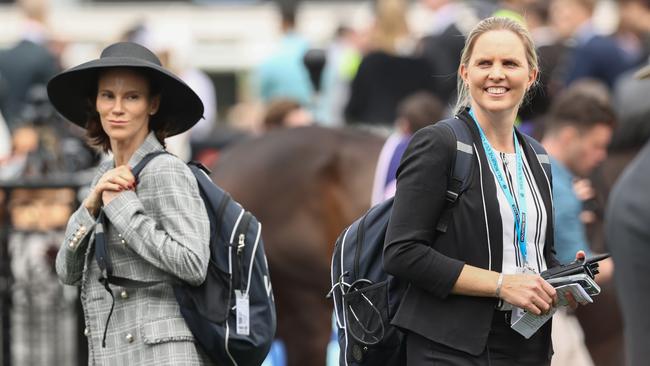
(529, 292)
(115, 180)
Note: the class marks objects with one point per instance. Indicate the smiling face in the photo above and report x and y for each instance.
(124, 105)
(497, 73)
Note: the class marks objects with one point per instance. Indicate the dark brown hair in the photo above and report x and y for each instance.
(95, 133)
(277, 112)
(420, 110)
(580, 110)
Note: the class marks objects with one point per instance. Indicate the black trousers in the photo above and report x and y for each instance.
(505, 347)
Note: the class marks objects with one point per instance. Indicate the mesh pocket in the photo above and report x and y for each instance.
(367, 313)
(372, 340)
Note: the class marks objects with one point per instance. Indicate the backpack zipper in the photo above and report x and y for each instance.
(238, 251)
(357, 255)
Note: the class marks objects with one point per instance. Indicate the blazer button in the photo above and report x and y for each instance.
(87, 331)
(129, 338)
(124, 294)
(123, 242)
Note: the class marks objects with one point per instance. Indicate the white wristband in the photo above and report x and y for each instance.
(499, 283)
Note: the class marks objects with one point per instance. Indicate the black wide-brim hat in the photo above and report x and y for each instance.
(69, 90)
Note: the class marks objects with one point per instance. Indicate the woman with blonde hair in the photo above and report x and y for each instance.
(468, 281)
(388, 72)
(390, 32)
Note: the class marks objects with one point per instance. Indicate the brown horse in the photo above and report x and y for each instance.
(305, 185)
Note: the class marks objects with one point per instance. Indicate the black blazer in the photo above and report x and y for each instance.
(25, 65)
(442, 51)
(432, 261)
(382, 81)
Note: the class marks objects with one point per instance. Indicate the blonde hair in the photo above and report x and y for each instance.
(390, 25)
(484, 26)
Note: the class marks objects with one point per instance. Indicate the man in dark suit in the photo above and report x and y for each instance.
(592, 55)
(26, 64)
(442, 45)
(628, 239)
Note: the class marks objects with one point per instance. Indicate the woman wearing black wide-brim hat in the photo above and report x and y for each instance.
(156, 228)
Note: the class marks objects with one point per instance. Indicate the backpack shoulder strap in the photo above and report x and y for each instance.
(145, 160)
(459, 179)
(542, 155)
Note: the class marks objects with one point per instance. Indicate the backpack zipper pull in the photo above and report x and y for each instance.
(240, 245)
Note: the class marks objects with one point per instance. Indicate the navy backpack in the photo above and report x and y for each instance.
(237, 266)
(365, 296)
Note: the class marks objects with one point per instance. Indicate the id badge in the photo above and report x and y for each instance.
(516, 314)
(243, 316)
(519, 312)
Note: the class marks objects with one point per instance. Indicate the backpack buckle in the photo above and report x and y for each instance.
(451, 196)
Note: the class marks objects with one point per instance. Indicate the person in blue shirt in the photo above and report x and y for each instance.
(577, 132)
(283, 74)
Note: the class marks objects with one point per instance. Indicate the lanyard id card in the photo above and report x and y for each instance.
(518, 206)
(519, 312)
(243, 318)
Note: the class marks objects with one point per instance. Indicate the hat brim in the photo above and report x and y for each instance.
(69, 90)
(643, 73)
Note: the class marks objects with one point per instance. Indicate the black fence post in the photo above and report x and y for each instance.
(5, 281)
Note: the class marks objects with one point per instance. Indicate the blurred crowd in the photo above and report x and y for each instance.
(362, 77)
(359, 77)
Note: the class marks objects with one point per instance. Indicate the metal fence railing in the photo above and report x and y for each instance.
(39, 317)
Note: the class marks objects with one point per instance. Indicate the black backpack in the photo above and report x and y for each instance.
(237, 264)
(365, 296)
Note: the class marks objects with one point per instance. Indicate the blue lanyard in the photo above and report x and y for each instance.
(518, 210)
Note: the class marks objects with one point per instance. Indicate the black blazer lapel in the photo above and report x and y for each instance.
(489, 195)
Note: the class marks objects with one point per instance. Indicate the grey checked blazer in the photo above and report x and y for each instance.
(159, 232)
